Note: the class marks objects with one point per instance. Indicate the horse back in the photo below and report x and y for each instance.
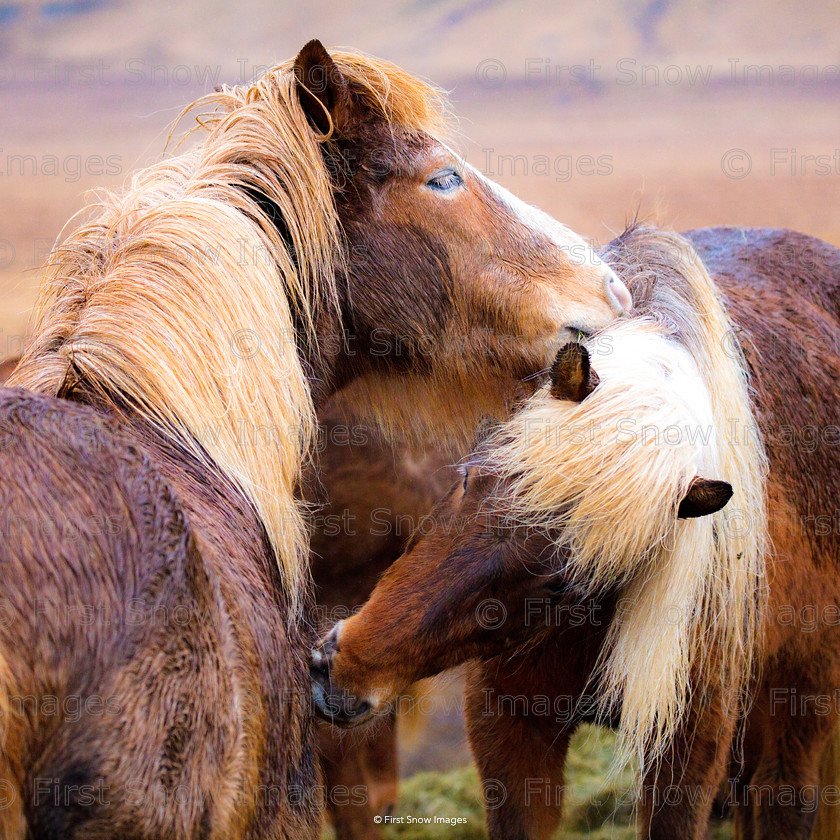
(782, 290)
(774, 262)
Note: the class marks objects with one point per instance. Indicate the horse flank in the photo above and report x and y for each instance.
(691, 591)
(181, 297)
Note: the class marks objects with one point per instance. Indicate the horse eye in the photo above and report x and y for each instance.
(445, 181)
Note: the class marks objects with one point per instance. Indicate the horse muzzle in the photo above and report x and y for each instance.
(334, 705)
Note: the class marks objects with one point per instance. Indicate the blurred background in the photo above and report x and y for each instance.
(693, 112)
(703, 112)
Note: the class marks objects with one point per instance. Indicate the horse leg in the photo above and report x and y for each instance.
(784, 790)
(520, 755)
(679, 791)
(360, 778)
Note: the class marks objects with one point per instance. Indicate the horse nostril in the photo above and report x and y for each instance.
(320, 657)
(319, 667)
(331, 702)
(337, 706)
(317, 663)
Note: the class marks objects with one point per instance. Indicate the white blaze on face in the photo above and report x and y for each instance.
(576, 249)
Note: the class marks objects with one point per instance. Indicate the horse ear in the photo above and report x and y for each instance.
(572, 377)
(704, 497)
(322, 88)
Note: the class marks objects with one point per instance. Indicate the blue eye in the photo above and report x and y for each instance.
(445, 181)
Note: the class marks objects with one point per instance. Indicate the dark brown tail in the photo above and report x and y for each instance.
(827, 826)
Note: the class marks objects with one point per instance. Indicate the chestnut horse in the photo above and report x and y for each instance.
(559, 565)
(354, 539)
(318, 233)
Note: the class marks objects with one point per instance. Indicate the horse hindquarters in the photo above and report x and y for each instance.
(134, 705)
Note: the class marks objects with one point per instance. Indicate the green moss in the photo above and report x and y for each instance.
(598, 806)
(455, 793)
(597, 803)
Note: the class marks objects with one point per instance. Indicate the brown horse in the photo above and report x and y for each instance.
(368, 498)
(560, 566)
(317, 234)
(355, 537)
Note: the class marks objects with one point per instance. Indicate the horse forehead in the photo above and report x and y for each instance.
(387, 149)
(425, 151)
(540, 222)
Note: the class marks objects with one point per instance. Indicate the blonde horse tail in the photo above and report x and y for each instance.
(827, 826)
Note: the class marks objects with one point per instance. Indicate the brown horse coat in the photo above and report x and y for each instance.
(370, 498)
(150, 689)
(221, 299)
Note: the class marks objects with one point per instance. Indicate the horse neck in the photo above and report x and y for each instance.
(324, 358)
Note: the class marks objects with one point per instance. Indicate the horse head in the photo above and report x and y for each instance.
(453, 291)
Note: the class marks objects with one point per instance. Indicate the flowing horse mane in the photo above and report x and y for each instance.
(672, 403)
(180, 296)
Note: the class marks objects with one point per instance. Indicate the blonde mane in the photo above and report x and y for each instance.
(607, 475)
(179, 297)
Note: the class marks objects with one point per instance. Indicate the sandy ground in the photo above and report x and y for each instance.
(590, 161)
